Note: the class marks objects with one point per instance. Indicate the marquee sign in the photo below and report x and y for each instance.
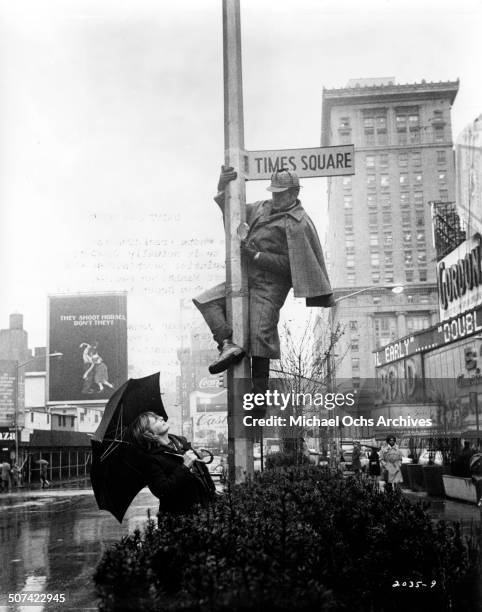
(456, 328)
(459, 276)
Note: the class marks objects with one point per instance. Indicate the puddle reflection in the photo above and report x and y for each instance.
(55, 548)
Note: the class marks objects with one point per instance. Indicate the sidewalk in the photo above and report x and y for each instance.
(64, 488)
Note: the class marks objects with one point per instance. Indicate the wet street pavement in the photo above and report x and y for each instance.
(52, 540)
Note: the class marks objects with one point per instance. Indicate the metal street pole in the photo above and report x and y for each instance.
(240, 448)
(17, 367)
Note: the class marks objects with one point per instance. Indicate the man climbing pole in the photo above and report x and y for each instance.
(283, 251)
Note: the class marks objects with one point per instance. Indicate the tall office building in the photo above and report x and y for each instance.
(380, 218)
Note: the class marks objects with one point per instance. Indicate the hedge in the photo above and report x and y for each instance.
(299, 539)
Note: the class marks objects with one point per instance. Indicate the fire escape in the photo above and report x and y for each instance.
(447, 228)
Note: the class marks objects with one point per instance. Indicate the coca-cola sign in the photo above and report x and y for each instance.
(210, 382)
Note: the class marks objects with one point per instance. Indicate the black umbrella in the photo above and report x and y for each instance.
(116, 473)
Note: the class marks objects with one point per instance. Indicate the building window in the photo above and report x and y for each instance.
(355, 363)
(385, 329)
(373, 239)
(348, 220)
(82, 417)
(354, 344)
(383, 160)
(409, 276)
(387, 238)
(350, 277)
(347, 182)
(407, 236)
(375, 276)
(388, 258)
(422, 258)
(439, 134)
(424, 299)
(350, 261)
(408, 259)
(407, 122)
(354, 326)
(371, 201)
(416, 159)
(372, 218)
(371, 181)
(403, 179)
(384, 181)
(418, 199)
(410, 299)
(418, 179)
(72, 421)
(375, 259)
(370, 161)
(387, 218)
(389, 276)
(385, 200)
(420, 236)
(419, 219)
(403, 160)
(444, 195)
(417, 322)
(441, 157)
(369, 129)
(347, 201)
(375, 126)
(442, 177)
(406, 217)
(377, 300)
(344, 122)
(422, 275)
(404, 200)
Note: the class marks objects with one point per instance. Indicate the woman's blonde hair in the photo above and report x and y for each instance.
(140, 431)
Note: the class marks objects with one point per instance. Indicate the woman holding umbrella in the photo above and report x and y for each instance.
(43, 472)
(171, 468)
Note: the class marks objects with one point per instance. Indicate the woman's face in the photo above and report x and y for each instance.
(158, 426)
(392, 441)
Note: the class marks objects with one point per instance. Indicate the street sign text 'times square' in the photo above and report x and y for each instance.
(319, 161)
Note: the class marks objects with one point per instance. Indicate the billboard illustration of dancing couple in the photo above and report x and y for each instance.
(90, 330)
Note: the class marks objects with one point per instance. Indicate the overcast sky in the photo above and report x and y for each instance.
(111, 124)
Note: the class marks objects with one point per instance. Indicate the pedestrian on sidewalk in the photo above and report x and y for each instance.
(16, 476)
(6, 477)
(43, 474)
(391, 462)
(356, 465)
(374, 470)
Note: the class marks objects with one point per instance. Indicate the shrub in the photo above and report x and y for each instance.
(298, 539)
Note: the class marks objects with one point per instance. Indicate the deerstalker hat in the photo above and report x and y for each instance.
(283, 180)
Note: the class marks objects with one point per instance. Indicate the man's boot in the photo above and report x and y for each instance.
(230, 353)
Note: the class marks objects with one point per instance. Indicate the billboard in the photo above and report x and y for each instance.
(8, 382)
(90, 330)
(468, 152)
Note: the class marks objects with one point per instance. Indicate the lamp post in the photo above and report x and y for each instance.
(17, 385)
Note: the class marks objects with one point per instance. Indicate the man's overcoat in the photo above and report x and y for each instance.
(290, 257)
